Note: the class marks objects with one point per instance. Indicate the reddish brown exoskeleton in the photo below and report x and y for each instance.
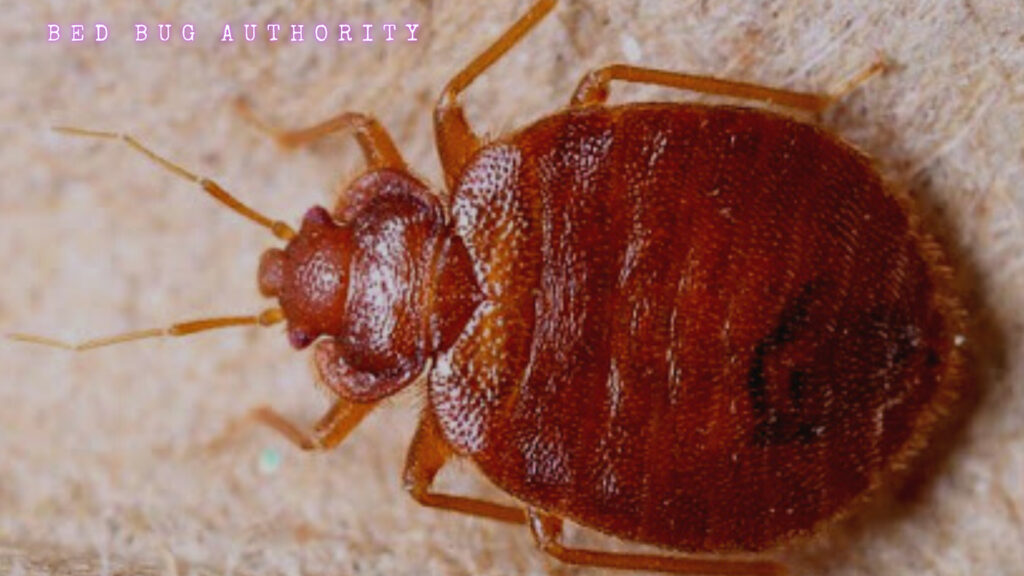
(707, 328)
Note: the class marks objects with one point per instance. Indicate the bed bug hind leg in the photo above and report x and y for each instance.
(377, 145)
(328, 432)
(427, 455)
(547, 532)
(593, 89)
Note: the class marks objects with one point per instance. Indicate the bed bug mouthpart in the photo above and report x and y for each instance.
(708, 328)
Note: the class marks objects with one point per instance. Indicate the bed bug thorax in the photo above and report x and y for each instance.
(369, 283)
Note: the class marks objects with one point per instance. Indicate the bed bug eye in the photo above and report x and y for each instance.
(317, 215)
(299, 338)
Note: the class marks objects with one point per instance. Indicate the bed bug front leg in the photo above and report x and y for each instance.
(328, 432)
(547, 532)
(593, 89)
(428, 453)
(344, 415)
(374, 140)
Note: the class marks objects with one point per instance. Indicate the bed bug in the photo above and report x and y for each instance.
(703, 327)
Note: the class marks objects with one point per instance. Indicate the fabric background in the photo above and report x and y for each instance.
(117, 461)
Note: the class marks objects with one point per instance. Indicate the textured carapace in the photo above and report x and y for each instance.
(708, 328)
(366, 278)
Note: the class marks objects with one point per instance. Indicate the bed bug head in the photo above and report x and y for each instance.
(309, 277)
(359, 281)
(379, 281)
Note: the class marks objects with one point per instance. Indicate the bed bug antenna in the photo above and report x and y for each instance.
(268, 317)
(279, 229)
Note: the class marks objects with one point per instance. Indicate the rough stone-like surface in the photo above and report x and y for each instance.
(115, 461)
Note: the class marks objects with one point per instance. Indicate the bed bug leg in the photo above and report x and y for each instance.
(456, 140)
(593, 89)
(377, 145)
(328, 432)
(547, 532)
(853, 82)
(427, 455)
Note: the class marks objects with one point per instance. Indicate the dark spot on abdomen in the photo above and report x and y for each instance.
(782, 419)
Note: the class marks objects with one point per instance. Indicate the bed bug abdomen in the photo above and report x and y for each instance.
(705, 328)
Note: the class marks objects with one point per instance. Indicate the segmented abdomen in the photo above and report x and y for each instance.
(706, 328)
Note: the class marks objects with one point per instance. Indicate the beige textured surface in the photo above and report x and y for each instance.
(103, 457)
